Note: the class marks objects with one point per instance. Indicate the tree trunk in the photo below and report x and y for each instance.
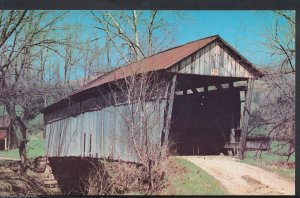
(22, 143)
(23, 154)
(150, 175)
(21, 126)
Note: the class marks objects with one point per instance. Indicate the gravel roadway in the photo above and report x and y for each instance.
(242, 179)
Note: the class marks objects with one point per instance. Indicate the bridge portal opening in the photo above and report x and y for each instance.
(202, 118)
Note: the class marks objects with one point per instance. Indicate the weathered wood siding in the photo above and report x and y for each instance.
(105, 131)
(213, 60)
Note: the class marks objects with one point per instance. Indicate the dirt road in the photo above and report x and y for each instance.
(243, 179)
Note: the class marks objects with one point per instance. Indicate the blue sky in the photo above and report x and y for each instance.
(242, 29)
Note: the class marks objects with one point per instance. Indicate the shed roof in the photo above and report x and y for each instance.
(3, 134)
(160, 61)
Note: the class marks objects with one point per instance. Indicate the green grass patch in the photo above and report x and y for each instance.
(14, 153)
(267, 161)
(280, 147)
(35, 148)
(193, 181)
(267, 157)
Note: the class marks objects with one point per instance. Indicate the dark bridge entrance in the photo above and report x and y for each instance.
(203, 117)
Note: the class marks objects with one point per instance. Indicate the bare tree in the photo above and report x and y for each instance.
(72, 56)
(144, 94)
(134, 34)
(276, 110)
(23, 35)
(92, 63)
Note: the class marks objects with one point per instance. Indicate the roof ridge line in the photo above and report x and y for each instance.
(122, 66)
(216, 35)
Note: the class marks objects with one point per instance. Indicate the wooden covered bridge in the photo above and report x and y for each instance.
(204, 111)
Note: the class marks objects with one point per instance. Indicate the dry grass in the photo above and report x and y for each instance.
(120, 178)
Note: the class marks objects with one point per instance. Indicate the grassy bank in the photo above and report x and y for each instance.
(35, 148)
(185, 178)
(270, 162)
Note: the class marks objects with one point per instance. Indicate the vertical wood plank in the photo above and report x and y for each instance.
(206, 61)
(170, 108)
(228, 73)
(206, 88)
(84, 139)
(183, 66)
(197, 63)
(5, 143)
(238, 72)
(193, 64)
(232, 66)
(245, 119)
(90, 149)
(201, 62)
(217, 56)
(234, 70)
(188, 65)
(9, 138)
(209, 58)
(242, 71)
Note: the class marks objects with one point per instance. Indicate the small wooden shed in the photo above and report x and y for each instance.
(5, 133)
(261, 143)
(209, 95)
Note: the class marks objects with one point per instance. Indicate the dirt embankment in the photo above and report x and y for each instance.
(243, 179)
(32, 182)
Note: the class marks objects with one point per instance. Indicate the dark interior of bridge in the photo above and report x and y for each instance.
(202, 119)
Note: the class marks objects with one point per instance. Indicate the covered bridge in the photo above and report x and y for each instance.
(208, 98)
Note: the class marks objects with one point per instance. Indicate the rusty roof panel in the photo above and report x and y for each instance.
(3, 134)
(162, 60)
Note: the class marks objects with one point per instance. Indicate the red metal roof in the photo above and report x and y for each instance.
(160, 61)
(3, 133)
(4, 121)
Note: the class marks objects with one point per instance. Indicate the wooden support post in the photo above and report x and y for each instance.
(5, 143)
(193, 150)
(8, 143)
(170, 108)
(90, 149)
(219, 87)
(205, 88)
(84, 139)
(194, 90)
(245, 119)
